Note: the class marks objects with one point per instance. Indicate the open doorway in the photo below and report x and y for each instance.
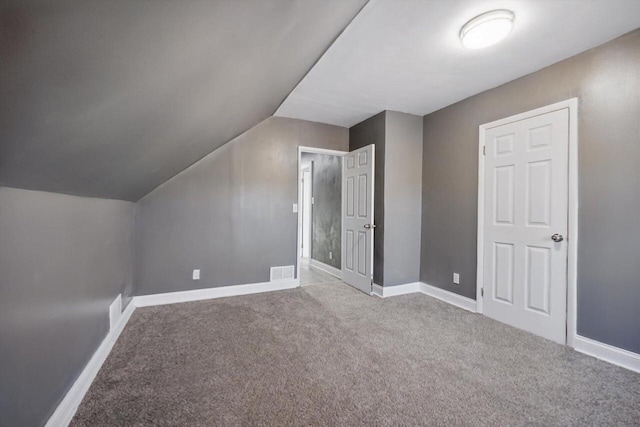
(319, 216)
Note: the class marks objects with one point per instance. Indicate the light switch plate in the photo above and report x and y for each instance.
(196, 274)
(456, 278)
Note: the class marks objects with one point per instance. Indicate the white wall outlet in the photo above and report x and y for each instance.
(295, 208)
(196, 275)
(330, 255)
(456, 278)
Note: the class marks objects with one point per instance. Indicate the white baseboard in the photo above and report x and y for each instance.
(377, 290)
(67, 408)
(392, 291)
(210, 293)
(608, 353)
(446, 296)
(409, 288)
(325, 267)
(65, 411)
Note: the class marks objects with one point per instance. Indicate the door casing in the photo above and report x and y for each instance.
(307, 209)
(572, 237)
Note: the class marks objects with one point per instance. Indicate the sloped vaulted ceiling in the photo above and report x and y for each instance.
(112, 98)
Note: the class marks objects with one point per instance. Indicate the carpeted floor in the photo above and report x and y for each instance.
(329, 355)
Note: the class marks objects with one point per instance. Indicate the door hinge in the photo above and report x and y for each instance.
(481, 292)
(484, 150)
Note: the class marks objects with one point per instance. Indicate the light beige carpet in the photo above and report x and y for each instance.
(329, 355)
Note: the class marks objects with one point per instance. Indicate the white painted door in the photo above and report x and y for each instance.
(525, 220)
(306, 212)
(357, 218)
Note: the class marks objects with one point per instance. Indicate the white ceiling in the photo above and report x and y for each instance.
(406, 55)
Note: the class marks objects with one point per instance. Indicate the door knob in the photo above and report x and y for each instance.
(557, 237)
(369, 226)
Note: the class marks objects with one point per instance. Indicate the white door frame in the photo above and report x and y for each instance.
(303, 208)
(312, 150)
(572, 237)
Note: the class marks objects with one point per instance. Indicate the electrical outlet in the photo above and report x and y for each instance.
(456, 278)
(330, 255)
(295, 208)
(196, 274)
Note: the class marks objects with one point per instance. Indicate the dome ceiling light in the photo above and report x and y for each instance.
(487, 29)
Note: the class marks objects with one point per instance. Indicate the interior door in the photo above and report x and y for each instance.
(526, 211)
(357, 218)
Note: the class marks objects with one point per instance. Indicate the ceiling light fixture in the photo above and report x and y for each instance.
(487, 29)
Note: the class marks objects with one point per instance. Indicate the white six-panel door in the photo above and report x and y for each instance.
(525, 224)
(357, 218)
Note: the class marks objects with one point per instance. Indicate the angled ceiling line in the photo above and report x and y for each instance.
(110, 100)
(321, 56)
(274, 111)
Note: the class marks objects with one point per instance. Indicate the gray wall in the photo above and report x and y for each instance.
(326, 224)
(397, 205)
(372, 131)
(230, 214)
(63, 260)
(402, 198)
(607, 82)
(112, 98)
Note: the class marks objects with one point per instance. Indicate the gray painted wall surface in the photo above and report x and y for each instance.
(398, 181)
(326, 224)
(372, 131)
(112, 98)
(63, 260)
(607, 82)
(402, 198)
(230, 214)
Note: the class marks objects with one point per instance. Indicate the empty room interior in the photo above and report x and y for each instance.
(319, 212)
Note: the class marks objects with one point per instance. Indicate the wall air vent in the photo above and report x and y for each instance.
(281, 273)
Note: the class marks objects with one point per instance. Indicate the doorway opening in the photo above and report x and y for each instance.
(319, 216)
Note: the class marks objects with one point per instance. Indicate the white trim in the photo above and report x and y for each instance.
(608, 353)
(115, 311)
(211, 293)
(450, 297)
(69, 405)
(423, 288)
(67, 408)
(325, 267)
(377, 290)
(302, 206)
(392, 291)
(572, 238)
(313, 150)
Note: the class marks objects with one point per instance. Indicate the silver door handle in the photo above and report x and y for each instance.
(557, 237)
(369, 226)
